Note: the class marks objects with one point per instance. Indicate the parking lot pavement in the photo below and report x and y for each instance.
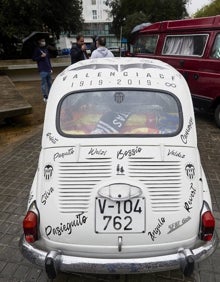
(16, 174)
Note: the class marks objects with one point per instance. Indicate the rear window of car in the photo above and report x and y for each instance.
(121, 112)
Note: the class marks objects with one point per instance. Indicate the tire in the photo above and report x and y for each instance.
(217, 115)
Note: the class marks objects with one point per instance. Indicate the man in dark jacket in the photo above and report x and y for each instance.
(41, 56)
(78, 51)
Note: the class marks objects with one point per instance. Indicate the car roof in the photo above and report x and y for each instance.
(106, 73)
(120, 72)
(119, 63)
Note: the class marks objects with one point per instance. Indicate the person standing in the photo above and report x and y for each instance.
(93, 45)
(78, 51)
(41, 56)
(101, 51)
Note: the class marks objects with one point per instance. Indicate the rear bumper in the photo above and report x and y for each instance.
(55, 261)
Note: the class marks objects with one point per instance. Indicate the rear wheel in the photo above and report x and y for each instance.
(217, 115)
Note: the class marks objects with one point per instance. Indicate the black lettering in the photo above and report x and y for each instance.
(127, 228)
(187, 207)
(102, 207)
(128, 206)
(48, 230)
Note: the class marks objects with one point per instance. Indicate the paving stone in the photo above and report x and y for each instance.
(2, 265)
(21, 272)
(33, 274)
(9, 270)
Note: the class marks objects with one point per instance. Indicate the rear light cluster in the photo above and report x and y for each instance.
(30, 226)
(207, 225)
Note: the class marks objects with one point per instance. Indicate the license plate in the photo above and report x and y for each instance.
(120, 216)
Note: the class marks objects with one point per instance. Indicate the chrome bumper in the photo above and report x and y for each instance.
(55, 261)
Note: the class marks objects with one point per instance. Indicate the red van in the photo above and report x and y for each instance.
(192, 46)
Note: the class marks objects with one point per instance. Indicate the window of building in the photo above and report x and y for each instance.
(186, 45)
(94, 14)
(93, 2)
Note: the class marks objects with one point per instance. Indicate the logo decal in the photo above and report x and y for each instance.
(190, 170)
(119, 97)
(48, 171)
(178, 224)
(120, 170)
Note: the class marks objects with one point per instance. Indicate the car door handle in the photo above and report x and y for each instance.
(181, 63)
(186, 75)
(195, 76)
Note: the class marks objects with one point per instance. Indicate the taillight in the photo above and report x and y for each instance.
(207, 226)
(30, 224)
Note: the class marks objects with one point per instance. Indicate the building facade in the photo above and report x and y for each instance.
(97, 22)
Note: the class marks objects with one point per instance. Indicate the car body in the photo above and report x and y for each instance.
(192, 46)
(119, 186)
(117, 51)
(65, 51)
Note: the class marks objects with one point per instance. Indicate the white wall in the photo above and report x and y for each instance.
(66, 42)
(100, 7)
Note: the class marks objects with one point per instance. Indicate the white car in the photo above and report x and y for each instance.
(119, 186)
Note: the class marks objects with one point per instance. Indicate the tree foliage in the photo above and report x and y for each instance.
(20, 17)
(133, 12)
(212, 9)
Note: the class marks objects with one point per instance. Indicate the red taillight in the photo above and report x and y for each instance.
(30, 227)
(208, 226)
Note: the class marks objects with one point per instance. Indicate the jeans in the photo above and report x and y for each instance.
(46, 82)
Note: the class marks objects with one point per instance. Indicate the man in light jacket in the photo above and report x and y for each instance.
(101, 51)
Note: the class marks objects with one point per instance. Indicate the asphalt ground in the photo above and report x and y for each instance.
(18, 162)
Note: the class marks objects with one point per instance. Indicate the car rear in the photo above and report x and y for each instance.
(120, 187)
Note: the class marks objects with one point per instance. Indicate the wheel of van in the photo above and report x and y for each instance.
(217, 115)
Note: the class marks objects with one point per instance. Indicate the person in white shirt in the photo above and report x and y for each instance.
(101, 51)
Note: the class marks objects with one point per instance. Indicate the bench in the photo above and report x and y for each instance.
(11, 101)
